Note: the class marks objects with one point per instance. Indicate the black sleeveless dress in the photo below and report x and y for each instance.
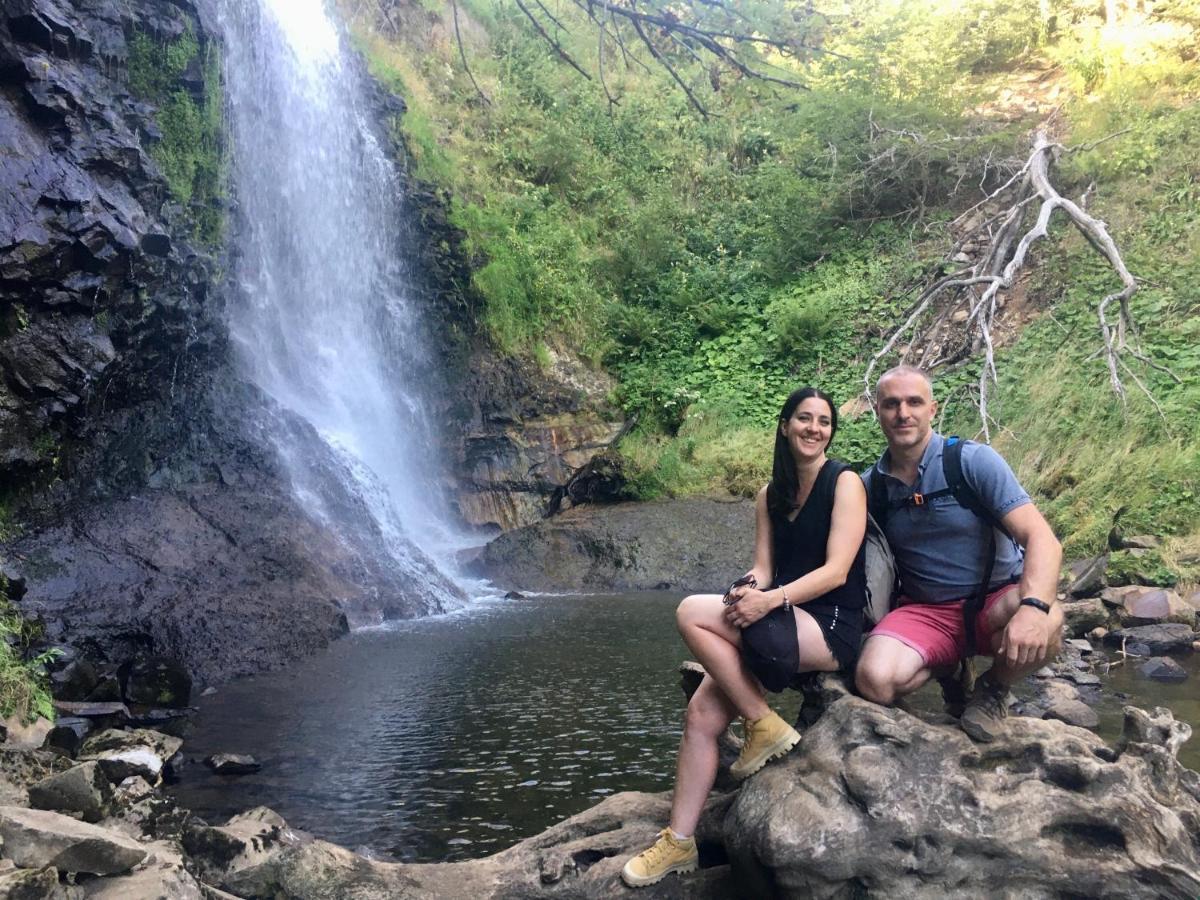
(769, 646)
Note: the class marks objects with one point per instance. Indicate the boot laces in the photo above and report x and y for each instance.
(654, 854)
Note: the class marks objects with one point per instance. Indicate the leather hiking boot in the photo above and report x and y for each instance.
(666, 855)
(764, 739)
(983, 719)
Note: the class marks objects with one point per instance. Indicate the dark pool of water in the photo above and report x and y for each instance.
(455, 737)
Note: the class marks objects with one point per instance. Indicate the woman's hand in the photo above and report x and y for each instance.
(752, 604)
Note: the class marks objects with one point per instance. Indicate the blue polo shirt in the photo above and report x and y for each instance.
(939, 546)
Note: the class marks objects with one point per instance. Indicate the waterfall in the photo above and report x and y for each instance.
(320, 316)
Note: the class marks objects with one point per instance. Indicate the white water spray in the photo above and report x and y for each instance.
(322, 318)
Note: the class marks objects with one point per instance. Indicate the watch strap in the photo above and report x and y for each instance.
(1036, 604)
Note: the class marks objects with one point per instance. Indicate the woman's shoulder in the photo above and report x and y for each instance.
(842, 473)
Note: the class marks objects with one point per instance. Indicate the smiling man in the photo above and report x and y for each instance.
(972, 552)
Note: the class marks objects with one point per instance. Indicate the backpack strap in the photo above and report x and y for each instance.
(967, 498)
(877, 499)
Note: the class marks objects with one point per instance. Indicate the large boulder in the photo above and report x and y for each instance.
(35, 838)
(84, 790)
(876, 799)
(138, 751)
(1148, 606)
(681, 545)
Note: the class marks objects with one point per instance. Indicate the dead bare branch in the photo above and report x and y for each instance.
(463, 55)
(558, 48)
(1001, 242)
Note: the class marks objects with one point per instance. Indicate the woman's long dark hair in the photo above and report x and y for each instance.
(781, 491)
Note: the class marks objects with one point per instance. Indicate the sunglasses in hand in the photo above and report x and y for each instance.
(745, 580)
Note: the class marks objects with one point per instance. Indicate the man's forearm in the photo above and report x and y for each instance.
(1043, 560)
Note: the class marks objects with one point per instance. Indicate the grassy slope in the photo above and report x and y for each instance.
(712, 265)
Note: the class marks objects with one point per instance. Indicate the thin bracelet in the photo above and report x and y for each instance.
(786, 603)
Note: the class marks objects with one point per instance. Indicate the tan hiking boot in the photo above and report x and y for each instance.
(666, 855)
(765, 739)
(983, 719)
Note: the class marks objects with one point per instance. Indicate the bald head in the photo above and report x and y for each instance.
(905, 407)
(904, 370)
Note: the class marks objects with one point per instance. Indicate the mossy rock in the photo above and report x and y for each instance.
(1140, 567)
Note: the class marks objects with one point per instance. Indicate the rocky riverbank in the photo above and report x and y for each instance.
(873, 799)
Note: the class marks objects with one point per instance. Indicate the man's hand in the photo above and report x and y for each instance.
(1026, 638)
(751, 606)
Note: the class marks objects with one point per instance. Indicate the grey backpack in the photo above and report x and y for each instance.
(880, 574)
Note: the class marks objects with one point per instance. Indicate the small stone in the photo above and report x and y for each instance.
(1084, 678)
(33, 884)
(1142, 542)
(83, 789)
(1073, 712)
(132, 789)
(514, 595)
(136, 752)
(1158, 639)
(1087, 576)
(208, 692)
(1083, 646)
(1163, 668)
(74, 681)
(68, 734)
(233, 764)
(1081, 616)
(1097, 634)
(93, 710)
(1115, 596)
(1044, 672)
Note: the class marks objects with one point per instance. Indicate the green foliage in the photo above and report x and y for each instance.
(1140, 567)
(714, 265)
(24, 686)
(190, 152)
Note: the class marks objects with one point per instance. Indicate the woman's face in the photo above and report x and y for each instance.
(809, 429)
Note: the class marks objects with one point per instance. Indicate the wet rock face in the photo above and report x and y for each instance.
(877, 800)
(525, 436)
(99, 291)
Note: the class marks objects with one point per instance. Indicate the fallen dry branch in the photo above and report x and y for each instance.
(996, 228)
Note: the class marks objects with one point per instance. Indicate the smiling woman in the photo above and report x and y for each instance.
(799, 609)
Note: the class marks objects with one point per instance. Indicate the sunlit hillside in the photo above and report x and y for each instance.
(715, 246)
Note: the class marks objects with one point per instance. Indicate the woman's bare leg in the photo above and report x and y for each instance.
(709, 713)
(815, 655)
(728, 690)
(716, 644)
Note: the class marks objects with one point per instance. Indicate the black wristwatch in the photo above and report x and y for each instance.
(1036, 604)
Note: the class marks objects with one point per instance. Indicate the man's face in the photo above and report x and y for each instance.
(906, 409)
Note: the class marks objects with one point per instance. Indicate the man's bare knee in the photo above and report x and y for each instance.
(875, 684)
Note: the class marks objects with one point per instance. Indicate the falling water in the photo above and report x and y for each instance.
(322, 318)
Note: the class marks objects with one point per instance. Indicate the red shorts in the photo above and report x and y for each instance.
(935, 630)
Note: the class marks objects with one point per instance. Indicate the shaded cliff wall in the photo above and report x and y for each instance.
(143, 509)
